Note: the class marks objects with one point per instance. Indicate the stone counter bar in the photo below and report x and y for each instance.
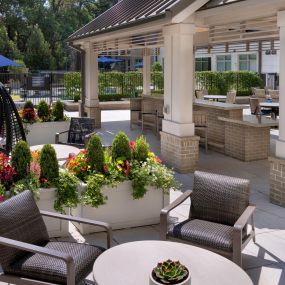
(216, 128)
(248, 139)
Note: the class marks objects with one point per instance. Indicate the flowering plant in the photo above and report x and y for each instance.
(2, 193)
(143, 169)
(7, 172)
(28, 115)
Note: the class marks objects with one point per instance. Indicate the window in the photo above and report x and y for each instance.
(248, 62)
(224, 62)
(203, 64)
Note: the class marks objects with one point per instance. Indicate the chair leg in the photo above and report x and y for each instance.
(237, 242)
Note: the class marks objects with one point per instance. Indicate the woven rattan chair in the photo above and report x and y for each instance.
(274, 95)
(200, 120)
(79, 132)
(27, 256)
(254, 106)
(218, 218)
(231, 97)
(200, 94)
(260, 94)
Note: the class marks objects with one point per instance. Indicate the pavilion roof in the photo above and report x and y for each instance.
(132, 12)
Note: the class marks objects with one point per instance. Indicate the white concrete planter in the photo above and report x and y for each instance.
(121, 210)
(55, 227)
(185, 282)
(44, 133)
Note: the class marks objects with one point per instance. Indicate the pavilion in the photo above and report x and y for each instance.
(181, 27)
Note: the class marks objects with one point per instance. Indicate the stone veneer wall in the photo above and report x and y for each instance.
(216, 128)
(247, 143)
(182, 153)
(277, 181)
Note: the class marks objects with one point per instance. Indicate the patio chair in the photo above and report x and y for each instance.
(231, 97)
(200, 120)
(256, 109)
(218, 217)
(79, 132)
(28, 256)
(274, 95)
(149, 115)
(259, 93)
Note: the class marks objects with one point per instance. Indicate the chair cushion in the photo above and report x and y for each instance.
(217, 198)
(204, 233)
(50, 269)
(21, 220)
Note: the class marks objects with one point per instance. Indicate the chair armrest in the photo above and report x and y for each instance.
(244, 218)
(106, 226)
(57, 136)
(44, 251)
(165, 211)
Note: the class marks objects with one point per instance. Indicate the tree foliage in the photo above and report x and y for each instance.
(48, 23)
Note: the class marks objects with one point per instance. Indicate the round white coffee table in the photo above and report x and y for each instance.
(62, 150)
(131, 264)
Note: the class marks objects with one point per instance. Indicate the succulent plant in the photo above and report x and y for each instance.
(170, 272)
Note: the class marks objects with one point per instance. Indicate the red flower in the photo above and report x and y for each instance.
(106, 168)
(43, 180)
(158, 160)
(132, 145)
(126, 171)
(2, 198)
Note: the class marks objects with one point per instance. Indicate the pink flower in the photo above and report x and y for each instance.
(2, 198)
(132, 145)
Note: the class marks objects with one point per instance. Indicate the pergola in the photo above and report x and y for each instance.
(180, 26)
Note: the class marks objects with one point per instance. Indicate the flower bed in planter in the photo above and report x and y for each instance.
(121, 210)
(43, 123)
(126, 186)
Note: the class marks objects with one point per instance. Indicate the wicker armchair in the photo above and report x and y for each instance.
(218, 218)
(231, 97)
(79, 132)
(27, 256)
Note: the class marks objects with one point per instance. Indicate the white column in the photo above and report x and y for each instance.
(91, 77)
(179, 80)
(146, 71)
(280, 144)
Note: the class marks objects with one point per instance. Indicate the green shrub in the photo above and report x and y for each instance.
(76, 97)
(21, 159)
(95, 154)
(141, 149)
(28, 105)
(30, 182)
(67, 195)
(157, 67)
(72, 85)
(58, 111)
(121, 147)
(48, 163)
(43, 111)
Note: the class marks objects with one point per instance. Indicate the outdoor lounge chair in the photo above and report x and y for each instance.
(218, 218)
(79, 132)
(27, 256)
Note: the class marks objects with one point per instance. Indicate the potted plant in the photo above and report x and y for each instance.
(170, 272)
(42, 124)
(126, 186)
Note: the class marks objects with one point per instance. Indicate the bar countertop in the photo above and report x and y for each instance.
(252, 121)
(218, 105)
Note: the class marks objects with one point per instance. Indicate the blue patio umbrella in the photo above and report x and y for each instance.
(4, 61)
(138, 65)
(104, 59)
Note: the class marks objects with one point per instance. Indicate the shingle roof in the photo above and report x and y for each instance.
(128, 12)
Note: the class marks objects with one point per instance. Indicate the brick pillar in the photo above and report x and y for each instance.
(277, 164)
(179, 145)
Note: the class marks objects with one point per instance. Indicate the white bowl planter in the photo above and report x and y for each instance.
(44, 133)
(55, 227)
(185, 282)
(121, 210)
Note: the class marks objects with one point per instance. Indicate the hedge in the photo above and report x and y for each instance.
(116, 85)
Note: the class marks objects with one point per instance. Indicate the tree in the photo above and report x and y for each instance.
(38, 55)
(7, 47)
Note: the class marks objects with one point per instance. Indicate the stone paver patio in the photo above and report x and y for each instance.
(263, 261)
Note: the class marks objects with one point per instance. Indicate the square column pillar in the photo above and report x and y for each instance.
(92, 107)
(277, 164)
(179, 145)
(280, 144)
(146, 71)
